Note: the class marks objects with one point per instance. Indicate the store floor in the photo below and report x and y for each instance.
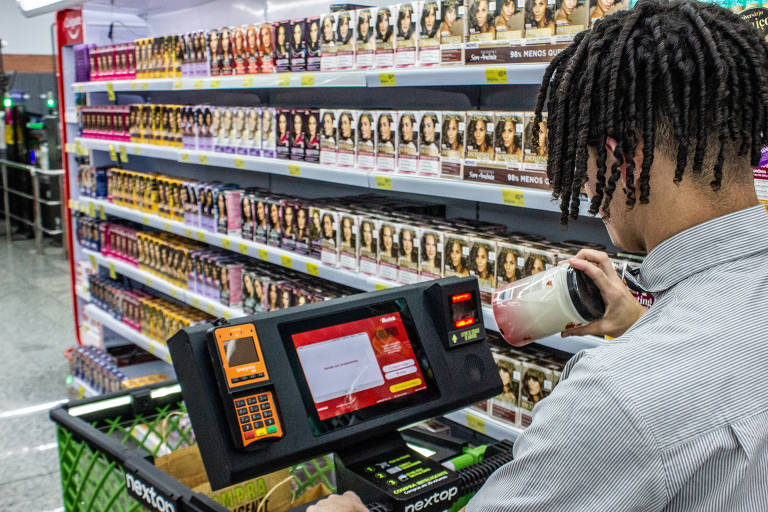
(36, 325)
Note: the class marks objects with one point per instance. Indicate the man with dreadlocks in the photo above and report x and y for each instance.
(660, 112)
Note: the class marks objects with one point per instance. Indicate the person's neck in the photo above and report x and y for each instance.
(689, 206)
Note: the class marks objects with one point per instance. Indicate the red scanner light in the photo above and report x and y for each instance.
(461, 297)
(465, 322)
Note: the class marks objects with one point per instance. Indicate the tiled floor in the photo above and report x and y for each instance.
(36, 326)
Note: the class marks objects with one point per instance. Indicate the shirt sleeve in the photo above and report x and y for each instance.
(586, 450)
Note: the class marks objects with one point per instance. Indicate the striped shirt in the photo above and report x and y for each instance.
(673, 415)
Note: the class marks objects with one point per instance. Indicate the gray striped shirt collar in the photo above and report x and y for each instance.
(722, 239)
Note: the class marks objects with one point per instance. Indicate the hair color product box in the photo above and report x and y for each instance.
(571, 17)
(509, 21)
(535, 145)
(233, 213)
(388, 249)
(346, 134)
(298, 129)
(301, 211)
(385, 37)
(537, 260)
(539, 21)
(368, 246)
(268, 133)
(253, 291)
(228, 57)
(505, 406)
(482, 264)
(452, 144)
(386, 137)
(366, 140)
(247, 211)
(298, 44)
(312, 136)
(408, 253)
(348, 241)
(431, 258)
(456, 255)
(429, 33)
(328, 145)
(274, 234)
(408, 143)
(315, 231)
(508, 138)
(510, 261)
(479, 147)
(328, 42)
(283, 136)
(232, 284)
(451, 32)
(238, 137)
(251, 136)
(239, 50)
(288, 224)
(313, 44)
(407, 39)
(267, 48)
(345, 40)
(365, 34)
(479, 21)
(329, 237)
(282, 31)
(227, 132)
(216, 125)
(599, 9)
(251, 49)
(272, 294)
(260, 219)
(429, 143)
(536, 384)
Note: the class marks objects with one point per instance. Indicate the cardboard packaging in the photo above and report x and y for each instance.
(385, 37)
(368, 245)
(282, 31)
(408, 254)
(366, 141)
(328, 146)
(408, 143)
(328, 42)
(298, 44)
(329, 237)
(456, 255)
(283, 135)
(365, 35)
(348, 241)
(268, 133)
(482, 264)
(386, 147)
(345, 40)
(429, 33)
(313, 43)
(429, 143)
(432, 243)
(388, 249)
(407, 45)
(347, 140)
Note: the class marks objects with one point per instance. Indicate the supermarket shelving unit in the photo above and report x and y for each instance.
(505, 87)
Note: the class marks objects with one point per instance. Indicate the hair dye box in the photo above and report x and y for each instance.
(505, 406)
(274, 231)
(347, 140)
(298, 44)
(328, 145)
(431, 257)
(368, 245)
(345, 39)
(482, 264)
(283, 133)
(408, 143)
(452, 144)
(386, 138)
(349, 223)
(314, 44)
(268, 133)
(407, 34)
(535, 384)
(429, 33)
(409, 244)
(388, 249)
(328, 42)
(298, 133)
(429, 143)
(385, 37)
(329, 237)
(282, 31)
(366, 140)
(365, 35)
(456, 255)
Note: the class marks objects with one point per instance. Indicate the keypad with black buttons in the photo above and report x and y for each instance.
(257, 421)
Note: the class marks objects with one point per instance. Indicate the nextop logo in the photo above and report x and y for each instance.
(148, 494)
(433, 500)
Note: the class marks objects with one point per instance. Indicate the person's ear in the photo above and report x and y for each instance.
(610, 146)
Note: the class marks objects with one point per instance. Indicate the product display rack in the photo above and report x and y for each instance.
(424, 185)
(157, 349)
(506, 74)
(483, 423)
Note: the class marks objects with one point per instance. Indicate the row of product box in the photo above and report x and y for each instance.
(407, 34)
(402, 241)
(529, 375)
(102, 370)
(502, 147)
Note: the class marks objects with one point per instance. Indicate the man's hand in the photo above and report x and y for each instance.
(347, 502)
(621, 308)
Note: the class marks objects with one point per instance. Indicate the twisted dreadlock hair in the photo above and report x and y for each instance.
(675, 76)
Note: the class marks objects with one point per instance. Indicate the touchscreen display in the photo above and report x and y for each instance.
(240, 351)
(358, 364)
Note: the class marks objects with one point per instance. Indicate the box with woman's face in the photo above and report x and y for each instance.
(288, 224)
(539, 19)
(329, 236)
(298, 133)
(431, 257)
(315, 231)
(298, 44)
(283, 35)
(253, 291)
(274, 231)
(328, 42)
(348, 240)
(479, 137)
(385, 37)
(508, 137)
(389, 247)
(535, 385)
(283, 134)
(251, 138)
(571, 17)
(301, 211)
(368, 236)
(430, 124)
(482, 264)
(535, 149)
(268, 132)
(248, 213)
(452, 31)
(505, 406)
(509, 263)
(365, 34)
(407, 34)
(386, 138)
(456, 255)
(409, 242)
(429, 33)
(345, 39)
(537, 261)
(328, 147)
(408, 143)
(599, 9)
(452, 144)
(347, 140)
(509, 20)
(312, 136)
(366, 140)
(479, 20)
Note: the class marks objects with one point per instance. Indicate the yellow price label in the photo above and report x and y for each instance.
(211, 309)
(73, 205)
(242, 248)
(136, 150)
(174, 293)
(226, 314)
(112, 153)
(286, 261)
(294, 170)
(201, 236)
(168, 359)
(134, 86)
(148, 281)
(196, 302)
(94, 265)
(307, 80)
(80, 88)
(284, 80)
(203, 159)
(123, 155)
(152, 348)
(197, 84)
(112, 272)
(144, 86)
(496, 75)
(215, 83)
(387, 79)
(226, 243)
(145, 220)
(185, 157)
(312, 269)
(166, 226)
(239, 163)
(476, 423)
(248, 81)
(111, 91)
(384, 182)
(513, 197)
(80, 149)
(263, 254)
(188, 233)
(91, 210)
(176, 85)
(380, 286)
(69, 147)
(80, 392)
(83, 208)
(102, 213)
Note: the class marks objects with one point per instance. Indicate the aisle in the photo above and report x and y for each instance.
(37, 326)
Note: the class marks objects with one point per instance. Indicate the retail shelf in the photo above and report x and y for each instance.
(70, 116)
(499, 74)
(134, 371)
(485, 424)
(81, 388)
(163, 286)
(439, 187)
(155, 348)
